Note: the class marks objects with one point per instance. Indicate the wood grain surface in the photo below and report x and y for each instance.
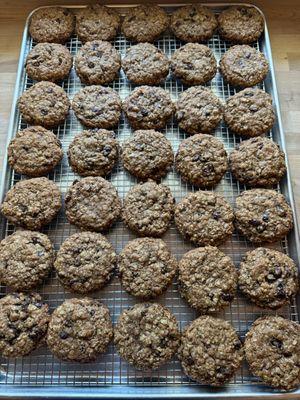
(283, 19)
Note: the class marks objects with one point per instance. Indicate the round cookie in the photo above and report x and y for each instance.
(147, 154)
(263, 215)
(34, 151)
(146, 267)
(48, 62)
(32, 203)
(145, 64)
(97, 63)
(148, 107)
(198, 109)
(145, 23)
(45, 103)
(97, 22)
(193, 23)
(210, 351)
(240, 24)
(268, 277)
(258, 162)
(272, 349)
(52, 24)
(79, 330)
(97, 107)
(26, 259)
(194, 64)
(23, 323)
(148, 209)
(249, 113)
(244, 66)
(93, 152)
(85, 262)
(207, 279)
(92, 203)
(146, 335)
(201, 160)
(204, 218)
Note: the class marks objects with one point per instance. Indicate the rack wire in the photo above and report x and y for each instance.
(41, 367)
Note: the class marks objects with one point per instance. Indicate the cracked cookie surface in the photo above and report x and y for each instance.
(204, 218)
(146, 335)
(201, 160)
(147, 154)
(263, 215)
(268, 277)
(244, 66)
(272, 349)
(148, 209)
(79, 330)
(23, 323)
(210, 351)
(92, 204)
(26, 258)
(146, 267)
(207, 279)
(32, 203)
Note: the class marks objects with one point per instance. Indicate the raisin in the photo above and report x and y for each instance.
(265, 216)
(276, 343)
(254, 222)
(91, 64)
(44, 112)
(280, 291)
(216, 215)
(227, 297)
(63, 335)
(106, 150)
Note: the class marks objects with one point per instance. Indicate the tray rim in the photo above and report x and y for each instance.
(116, 391)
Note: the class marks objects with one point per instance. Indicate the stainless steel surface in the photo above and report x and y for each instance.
(109, 376)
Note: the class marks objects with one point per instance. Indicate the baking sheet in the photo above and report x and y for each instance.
(111, 375)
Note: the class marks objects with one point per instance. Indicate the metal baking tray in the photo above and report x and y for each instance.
(41, 374)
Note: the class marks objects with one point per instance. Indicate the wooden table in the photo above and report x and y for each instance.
(283, 20)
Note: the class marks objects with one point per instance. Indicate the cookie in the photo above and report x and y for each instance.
(92, 203)
(268, 277)
(250, 112)
(44, 103)
(97, 22)
(210, 351)
(145, 64)
(85, 262)
(145, 23)
(146, 335)
(148, 209)
(263, 215)
(97, 63)
(194, 64)
(79, 330)
(207, 279)
(34, 151)
(146, 267)
(193, 23)
(272, 349)
(147, 154)
(198, 109)
(240, 24)
(243, 66)
(201, 160)
(93, 152)
(32, 203)
(148, 107)
(52, 24)
(97, 107)
(48, 62)
(23, 323)
(258, 162)
(204, 218)
(26, 259)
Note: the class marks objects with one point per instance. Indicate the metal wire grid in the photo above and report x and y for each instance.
(41, 367)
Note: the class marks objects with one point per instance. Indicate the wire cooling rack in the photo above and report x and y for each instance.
(41, 367)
